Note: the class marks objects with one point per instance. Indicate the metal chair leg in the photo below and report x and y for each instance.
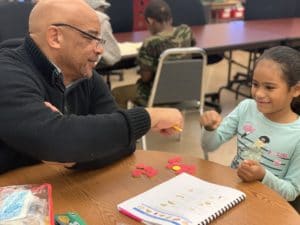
(144, 144)
(184, 116)
(205, 155)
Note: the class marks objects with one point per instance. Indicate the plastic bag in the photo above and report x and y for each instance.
(26, 205)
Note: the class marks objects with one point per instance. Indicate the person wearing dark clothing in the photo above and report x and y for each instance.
(55, 107)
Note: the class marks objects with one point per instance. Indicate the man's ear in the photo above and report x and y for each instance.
(149, 20)
(54, 37)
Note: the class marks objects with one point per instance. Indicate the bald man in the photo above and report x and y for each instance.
(55, 107)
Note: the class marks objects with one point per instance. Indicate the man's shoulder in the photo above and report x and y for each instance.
(7, 53)
(15, 65)
(10, 57)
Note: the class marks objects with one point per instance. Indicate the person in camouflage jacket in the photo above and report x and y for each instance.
(164, 36)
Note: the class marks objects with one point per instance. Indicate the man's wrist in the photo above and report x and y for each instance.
(152, 117)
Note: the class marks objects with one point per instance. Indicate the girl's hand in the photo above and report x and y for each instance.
(250, 170)
(210, 120)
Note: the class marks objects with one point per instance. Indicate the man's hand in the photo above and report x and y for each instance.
(165, 120)
(67, 165)
(146, 74)
(250, 170)
(52, 107)
(210, 120)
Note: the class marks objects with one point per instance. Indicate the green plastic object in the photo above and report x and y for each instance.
(69, 218)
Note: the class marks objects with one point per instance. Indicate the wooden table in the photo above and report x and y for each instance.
(95, 194)
(289, 28)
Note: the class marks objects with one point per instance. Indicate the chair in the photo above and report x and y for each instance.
(178, 80)
(198, 15)
(169, 79)
(14, 19)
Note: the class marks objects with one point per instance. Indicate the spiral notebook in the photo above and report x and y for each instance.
(182, 200)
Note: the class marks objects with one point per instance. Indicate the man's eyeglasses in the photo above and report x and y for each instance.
(84, 33)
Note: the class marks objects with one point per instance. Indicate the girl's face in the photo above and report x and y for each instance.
(271, 92)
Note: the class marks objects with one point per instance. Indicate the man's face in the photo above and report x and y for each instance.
(81, 50)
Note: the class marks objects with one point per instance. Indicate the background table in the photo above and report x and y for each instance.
(217, 38)
(95, 194)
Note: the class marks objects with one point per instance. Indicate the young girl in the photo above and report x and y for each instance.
(267, 127)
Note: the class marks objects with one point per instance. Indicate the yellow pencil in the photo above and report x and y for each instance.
(177, 128)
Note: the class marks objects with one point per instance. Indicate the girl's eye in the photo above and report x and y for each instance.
(269, 87)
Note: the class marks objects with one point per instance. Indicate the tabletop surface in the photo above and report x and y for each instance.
(95, 194)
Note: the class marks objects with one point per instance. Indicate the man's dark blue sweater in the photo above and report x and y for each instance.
(91, 131)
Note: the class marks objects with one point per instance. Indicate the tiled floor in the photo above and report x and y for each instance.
(189, 143)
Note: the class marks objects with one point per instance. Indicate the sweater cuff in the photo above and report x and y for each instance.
(267, 180)
(138, 120)
(207, 143)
